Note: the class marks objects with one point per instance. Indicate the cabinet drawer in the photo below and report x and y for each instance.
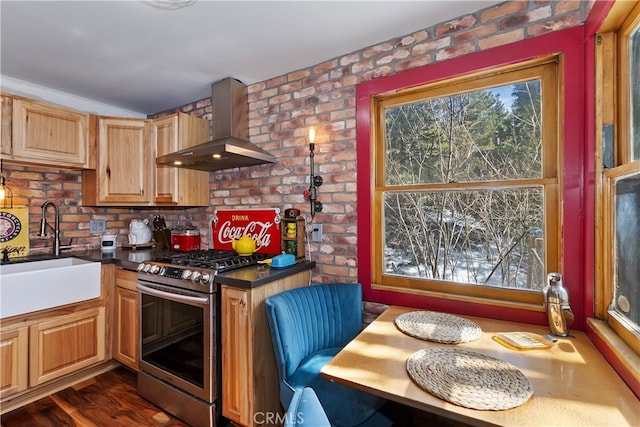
(126, 279)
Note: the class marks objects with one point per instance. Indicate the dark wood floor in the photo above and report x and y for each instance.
(109, 399)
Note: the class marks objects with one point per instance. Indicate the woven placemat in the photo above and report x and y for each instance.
(439, 327)
(469, 379)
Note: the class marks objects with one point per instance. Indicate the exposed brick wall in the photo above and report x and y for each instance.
(281, 110)
(323, 95)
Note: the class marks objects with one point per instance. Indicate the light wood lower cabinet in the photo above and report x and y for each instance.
(65, 344)
(14, 357)
(235, 336)
(48, 350)
(250, 385)
(126, 318)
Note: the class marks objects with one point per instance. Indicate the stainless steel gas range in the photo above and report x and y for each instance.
(179, 367)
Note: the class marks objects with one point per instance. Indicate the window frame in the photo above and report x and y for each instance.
(547, 70)
(613, 108)
(577, 259)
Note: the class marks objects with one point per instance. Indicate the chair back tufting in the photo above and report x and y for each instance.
(305, 320)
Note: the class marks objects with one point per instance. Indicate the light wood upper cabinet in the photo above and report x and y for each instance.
(5, 123)
(126, 173)
(46, 134)
(117, 155)
(123, 176)
(174, 186)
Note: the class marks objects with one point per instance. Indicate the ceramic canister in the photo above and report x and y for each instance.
(108, 242)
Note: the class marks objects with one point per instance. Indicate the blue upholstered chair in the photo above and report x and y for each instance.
(305, 410)
(309, 326)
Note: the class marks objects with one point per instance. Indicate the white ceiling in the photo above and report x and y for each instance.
(136, 57)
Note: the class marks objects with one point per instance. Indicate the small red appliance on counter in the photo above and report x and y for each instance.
(185, 239)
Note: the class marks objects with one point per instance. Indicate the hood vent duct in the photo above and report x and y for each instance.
(230, 147)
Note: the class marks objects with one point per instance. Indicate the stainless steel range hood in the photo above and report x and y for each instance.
(230, 147)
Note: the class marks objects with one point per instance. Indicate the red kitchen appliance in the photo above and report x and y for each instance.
(185, 240)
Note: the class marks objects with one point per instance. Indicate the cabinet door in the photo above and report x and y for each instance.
(123, 176)
(65, 344)
(5, 129)
(237, 391)
(49, 135)
(175, 186)
(14, 357)
(126, 326)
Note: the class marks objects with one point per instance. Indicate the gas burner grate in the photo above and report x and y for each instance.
(214, 259)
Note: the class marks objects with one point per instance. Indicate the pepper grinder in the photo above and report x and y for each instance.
(556, 302)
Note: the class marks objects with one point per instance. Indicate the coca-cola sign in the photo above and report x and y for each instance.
(262, 225)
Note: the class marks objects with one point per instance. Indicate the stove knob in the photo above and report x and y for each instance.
(186, 274)
(141, 266)
(195, 276)
(147, 267)
(206, 277)
(154, 269)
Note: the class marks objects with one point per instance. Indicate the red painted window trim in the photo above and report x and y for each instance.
(577, 152)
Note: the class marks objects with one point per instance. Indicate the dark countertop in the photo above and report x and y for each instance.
(248, 277)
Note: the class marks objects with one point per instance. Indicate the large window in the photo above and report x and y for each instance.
(467, 185)
(618, 290)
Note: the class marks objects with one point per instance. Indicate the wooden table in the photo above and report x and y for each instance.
(573, 384)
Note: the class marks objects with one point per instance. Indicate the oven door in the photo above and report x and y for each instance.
(177, 338)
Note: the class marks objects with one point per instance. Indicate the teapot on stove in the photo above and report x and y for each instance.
(245, 245)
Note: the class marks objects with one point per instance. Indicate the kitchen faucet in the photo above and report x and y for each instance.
(43, 228)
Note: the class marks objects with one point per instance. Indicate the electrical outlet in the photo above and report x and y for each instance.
(316, 233)
(97, 226)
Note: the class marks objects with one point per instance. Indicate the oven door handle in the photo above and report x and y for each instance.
(172, 296)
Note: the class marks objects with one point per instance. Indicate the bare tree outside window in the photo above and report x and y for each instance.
(473, 213)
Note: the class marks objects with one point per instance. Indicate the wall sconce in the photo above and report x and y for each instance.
(315, 181)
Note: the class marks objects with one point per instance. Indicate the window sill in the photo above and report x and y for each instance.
(621, 356)
(486, 301)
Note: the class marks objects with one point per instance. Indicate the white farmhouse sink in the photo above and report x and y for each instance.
(30, 286)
